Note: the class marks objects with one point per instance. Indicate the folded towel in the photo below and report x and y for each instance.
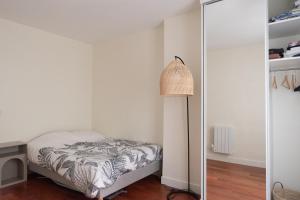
(285, 15)
(274, 56)
(276, 53)
(290, 53)
(281, 50)
(294, 49)
(293, 44)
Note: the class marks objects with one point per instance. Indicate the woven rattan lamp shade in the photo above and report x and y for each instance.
(176, 80)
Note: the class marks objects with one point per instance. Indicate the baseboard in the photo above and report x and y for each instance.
(237, 160)
(179, 184)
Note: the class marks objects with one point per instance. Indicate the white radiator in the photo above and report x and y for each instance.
(223, 139)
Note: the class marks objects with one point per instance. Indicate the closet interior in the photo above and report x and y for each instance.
(284, 65)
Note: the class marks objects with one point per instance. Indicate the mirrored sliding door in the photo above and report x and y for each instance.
(235, 111)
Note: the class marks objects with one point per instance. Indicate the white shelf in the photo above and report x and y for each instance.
(284, 28)
(285, 64)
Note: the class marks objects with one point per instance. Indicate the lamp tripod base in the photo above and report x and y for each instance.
(174, 192)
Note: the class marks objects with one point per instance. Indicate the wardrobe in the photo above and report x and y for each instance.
(284, 102)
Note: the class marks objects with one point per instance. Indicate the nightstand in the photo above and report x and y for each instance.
(13, 163)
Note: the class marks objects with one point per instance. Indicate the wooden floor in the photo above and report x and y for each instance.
(225, 182)
(235, 182)
(43, 189)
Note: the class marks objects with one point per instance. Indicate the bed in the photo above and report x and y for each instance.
(90, 163)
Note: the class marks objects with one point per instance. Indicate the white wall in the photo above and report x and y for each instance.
(285, 119)
(182, 38)
(45, 82)
(235, 92)
(126, 101)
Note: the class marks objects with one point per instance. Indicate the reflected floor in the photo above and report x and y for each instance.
(227, 181)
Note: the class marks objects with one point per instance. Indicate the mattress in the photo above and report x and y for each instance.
(89, 160)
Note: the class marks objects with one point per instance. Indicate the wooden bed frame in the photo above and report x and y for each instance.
(122, 182)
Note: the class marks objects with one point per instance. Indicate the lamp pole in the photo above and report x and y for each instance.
(188, 191)
(188, 134)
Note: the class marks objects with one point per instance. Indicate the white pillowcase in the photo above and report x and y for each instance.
(87, 136)
(59, 139)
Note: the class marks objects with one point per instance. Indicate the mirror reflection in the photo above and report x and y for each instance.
(235, 111)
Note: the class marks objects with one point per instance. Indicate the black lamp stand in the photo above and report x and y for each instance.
(189, 192)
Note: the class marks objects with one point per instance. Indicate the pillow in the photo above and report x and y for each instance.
(60, 138)
(87, 136)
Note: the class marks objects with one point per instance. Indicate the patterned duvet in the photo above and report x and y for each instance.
(92, 166)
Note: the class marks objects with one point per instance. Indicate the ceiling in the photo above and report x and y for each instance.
(233, 23)
(92, 20)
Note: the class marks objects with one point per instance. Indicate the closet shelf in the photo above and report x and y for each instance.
(285, 64)
(284, 28)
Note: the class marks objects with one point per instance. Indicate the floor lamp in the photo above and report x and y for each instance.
(177, 80)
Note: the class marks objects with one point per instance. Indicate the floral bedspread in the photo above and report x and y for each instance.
(92, 166)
